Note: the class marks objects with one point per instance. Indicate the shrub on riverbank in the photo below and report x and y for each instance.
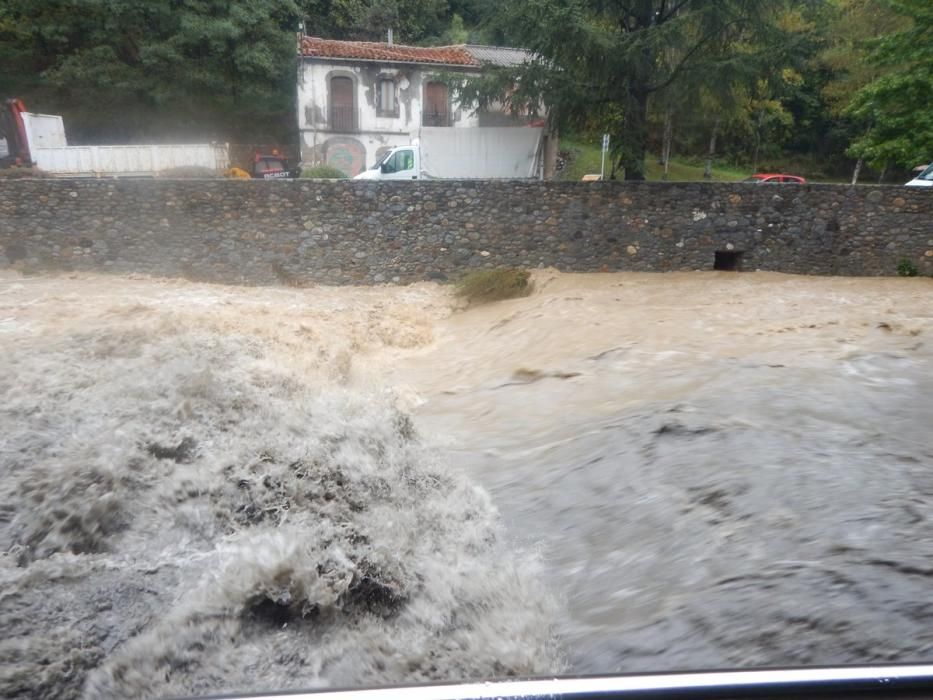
(907, 268)
(323, 172)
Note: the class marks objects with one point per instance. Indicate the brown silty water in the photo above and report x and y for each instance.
(211, 489)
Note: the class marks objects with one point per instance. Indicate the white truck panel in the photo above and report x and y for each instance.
(483, 152)
(50, 151)
(44, 131)
(129, 160)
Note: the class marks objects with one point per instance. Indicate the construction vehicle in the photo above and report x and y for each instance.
(39, 140)
(271, 166)
(14, 146)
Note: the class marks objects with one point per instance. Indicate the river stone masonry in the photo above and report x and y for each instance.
(344, 232)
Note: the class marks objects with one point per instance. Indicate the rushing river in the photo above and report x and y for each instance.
(208, 489)
(717, 470)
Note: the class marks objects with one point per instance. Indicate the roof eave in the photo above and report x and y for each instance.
(338, 59)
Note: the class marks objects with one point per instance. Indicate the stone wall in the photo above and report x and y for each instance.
(299, 232)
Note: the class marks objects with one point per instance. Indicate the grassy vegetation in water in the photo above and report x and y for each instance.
(325, 172)
(481, 286)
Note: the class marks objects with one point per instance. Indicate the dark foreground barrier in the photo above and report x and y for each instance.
(886, 682)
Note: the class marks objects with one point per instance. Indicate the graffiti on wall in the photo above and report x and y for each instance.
(346, 154)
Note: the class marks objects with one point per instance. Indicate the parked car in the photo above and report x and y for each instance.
(271, 166)
(924, 179)
(776, 178)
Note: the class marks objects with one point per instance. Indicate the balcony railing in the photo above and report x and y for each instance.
(343, 119)
(435, 119)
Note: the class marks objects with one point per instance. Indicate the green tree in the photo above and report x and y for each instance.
(412, 21)
(595, 56)
(122, 69)
(849, 29)
(897, 104)
(332, 19)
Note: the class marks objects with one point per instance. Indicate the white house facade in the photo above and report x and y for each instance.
(359, 99)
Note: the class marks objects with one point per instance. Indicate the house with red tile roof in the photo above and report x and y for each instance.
(358, 99)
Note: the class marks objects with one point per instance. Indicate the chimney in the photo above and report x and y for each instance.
(389, 37)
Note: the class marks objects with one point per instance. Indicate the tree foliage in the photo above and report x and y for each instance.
(897, 104)
(369, 20)
(849, 27)
(748, 81)
(122, 68)
(609, 58)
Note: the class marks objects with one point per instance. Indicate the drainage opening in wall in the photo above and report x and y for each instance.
(728, 260)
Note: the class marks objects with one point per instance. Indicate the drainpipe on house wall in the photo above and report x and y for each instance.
(299, 83)
(550, 153)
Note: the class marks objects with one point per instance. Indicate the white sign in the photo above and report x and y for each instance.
(605, 142)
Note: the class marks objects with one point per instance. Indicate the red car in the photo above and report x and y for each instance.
(776, 178)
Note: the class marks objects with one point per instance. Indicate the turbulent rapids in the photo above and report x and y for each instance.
(188, 510)
(210, 489)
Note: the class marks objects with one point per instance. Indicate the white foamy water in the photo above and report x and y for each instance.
(209, 489)
(202, 505)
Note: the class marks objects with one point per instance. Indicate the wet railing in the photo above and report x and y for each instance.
(435, 119)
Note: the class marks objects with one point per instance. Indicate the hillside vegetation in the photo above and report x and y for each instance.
(824, 89)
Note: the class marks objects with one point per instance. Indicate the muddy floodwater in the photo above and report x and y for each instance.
(207, 489)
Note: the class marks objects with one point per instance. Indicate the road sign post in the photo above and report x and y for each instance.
(602, 162)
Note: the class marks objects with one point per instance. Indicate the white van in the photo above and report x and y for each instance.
(489, 152)
(924, 179)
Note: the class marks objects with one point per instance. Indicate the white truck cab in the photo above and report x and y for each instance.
(401, 163)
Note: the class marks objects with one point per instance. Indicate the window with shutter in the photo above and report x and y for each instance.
(386, 96)
(435, 112)
(342, 111)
